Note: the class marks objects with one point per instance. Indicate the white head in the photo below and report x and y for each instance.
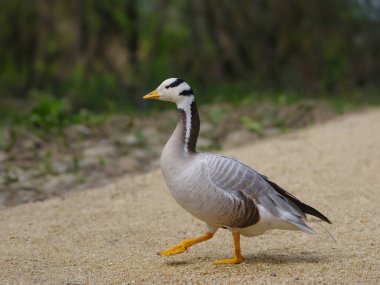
(173, 90)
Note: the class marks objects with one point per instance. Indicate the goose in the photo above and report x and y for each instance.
(221, 191)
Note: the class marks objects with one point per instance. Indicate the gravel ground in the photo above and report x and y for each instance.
(110, 235)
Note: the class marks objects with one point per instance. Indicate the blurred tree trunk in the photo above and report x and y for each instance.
(144, 68)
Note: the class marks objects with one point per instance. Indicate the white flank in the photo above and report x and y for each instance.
(185, 105)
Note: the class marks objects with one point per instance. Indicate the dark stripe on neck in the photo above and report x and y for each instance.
(177, 82)
(187, 92)
(194, 128)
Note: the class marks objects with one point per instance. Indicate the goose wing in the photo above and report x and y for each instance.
(247, 188)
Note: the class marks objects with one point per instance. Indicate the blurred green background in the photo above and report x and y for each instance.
(73, 73)
(102, 56)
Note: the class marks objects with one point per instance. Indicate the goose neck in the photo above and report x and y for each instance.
(188, 125)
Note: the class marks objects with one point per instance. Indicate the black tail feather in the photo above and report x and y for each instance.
(303, 207)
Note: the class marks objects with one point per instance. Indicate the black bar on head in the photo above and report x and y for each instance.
(187, 92)
(177, 82)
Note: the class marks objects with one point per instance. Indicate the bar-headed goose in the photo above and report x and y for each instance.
(221, 191)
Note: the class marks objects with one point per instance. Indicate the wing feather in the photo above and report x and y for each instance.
(231, 180)
(247, 188)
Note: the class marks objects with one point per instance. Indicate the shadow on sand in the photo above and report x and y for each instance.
(304, 257)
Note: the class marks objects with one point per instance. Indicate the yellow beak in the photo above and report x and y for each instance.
(152, 95)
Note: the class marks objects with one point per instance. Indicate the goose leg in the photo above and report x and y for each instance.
(185, 244)
(238, 258)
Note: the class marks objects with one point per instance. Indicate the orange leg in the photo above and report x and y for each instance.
(185, 244)
(238, 258)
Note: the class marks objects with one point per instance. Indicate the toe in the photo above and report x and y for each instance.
(174, 250)
(234, 260)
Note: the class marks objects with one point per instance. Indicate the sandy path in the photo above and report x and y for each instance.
(111, 235)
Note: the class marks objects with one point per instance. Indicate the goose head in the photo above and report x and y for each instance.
(173, 90)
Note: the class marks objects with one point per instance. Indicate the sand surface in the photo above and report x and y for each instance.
(111, 235)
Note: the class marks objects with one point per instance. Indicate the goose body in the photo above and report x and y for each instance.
(221, 191)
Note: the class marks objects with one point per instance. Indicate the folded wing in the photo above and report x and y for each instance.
(248, 188)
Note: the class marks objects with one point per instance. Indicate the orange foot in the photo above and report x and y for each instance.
(179, 248)
(233, 260)
(184, 245)
(238, 258)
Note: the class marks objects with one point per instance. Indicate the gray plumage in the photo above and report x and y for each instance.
(218, 190)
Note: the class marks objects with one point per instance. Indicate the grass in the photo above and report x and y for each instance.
(252, 125)
(50, 114)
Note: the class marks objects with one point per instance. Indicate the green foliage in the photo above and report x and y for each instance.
(217, 115)
(104, 55)
(102, 162)
(96, 92)
(17, 19)
(251, 124)
(50, 113)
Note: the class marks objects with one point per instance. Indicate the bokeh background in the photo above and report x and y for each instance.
(104, 55)
(73, 73)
